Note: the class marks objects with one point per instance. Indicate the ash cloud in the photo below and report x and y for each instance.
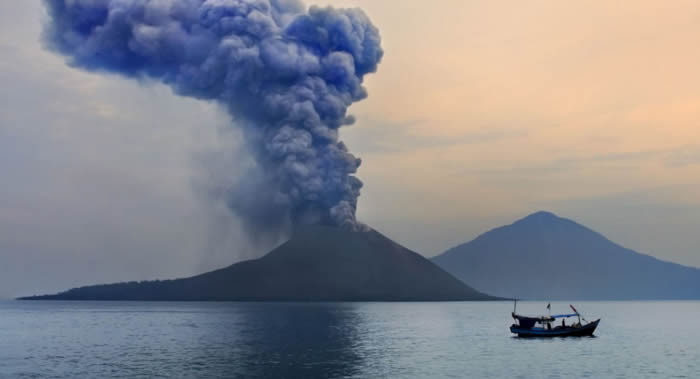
(285, 74)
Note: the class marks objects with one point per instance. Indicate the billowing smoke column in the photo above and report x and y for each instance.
(287, 76)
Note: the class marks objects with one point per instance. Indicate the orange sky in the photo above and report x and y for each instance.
(492, 109)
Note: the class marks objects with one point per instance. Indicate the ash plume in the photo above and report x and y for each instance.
(285, 74)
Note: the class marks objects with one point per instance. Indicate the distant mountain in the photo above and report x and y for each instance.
(316, 264)
(547, 257)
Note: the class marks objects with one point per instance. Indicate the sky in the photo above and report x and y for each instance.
(481, 112)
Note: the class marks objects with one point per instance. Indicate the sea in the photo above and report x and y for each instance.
(57, 339)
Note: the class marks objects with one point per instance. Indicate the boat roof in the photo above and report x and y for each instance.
(544, 318)
(566, 315)
(533, 318)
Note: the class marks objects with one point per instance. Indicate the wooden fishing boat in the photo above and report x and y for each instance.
(543, 326)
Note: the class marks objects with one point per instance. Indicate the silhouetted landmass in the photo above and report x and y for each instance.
(317, 264)
(547, 257)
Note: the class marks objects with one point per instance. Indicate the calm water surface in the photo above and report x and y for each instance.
(363, 340)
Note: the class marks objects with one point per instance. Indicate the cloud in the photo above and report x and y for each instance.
(285, 74)
(378, 136)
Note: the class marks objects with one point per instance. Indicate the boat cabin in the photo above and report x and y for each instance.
(546, 322)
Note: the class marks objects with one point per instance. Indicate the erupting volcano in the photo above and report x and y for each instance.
(286, 75)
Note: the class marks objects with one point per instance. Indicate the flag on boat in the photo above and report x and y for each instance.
(549, 306)
(572, 307)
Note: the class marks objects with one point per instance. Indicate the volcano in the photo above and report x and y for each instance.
(318, 263)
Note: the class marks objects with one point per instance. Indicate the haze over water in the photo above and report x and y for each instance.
(294, 340)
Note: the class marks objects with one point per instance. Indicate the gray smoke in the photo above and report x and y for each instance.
(285, 74)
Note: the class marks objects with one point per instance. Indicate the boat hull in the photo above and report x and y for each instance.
(582, 331)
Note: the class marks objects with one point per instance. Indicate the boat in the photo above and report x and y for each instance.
(543, 326)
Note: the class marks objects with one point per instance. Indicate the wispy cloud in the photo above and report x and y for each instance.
(671, 158)
(375, 136)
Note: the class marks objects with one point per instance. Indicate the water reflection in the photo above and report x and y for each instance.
(284, 340)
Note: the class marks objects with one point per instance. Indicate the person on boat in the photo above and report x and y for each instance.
(563, 323)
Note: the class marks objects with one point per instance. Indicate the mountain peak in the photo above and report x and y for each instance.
(539, 217)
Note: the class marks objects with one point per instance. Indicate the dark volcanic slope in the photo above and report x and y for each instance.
(547, 257)
(317, 264)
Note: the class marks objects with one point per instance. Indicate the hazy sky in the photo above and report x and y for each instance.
(481, 112)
